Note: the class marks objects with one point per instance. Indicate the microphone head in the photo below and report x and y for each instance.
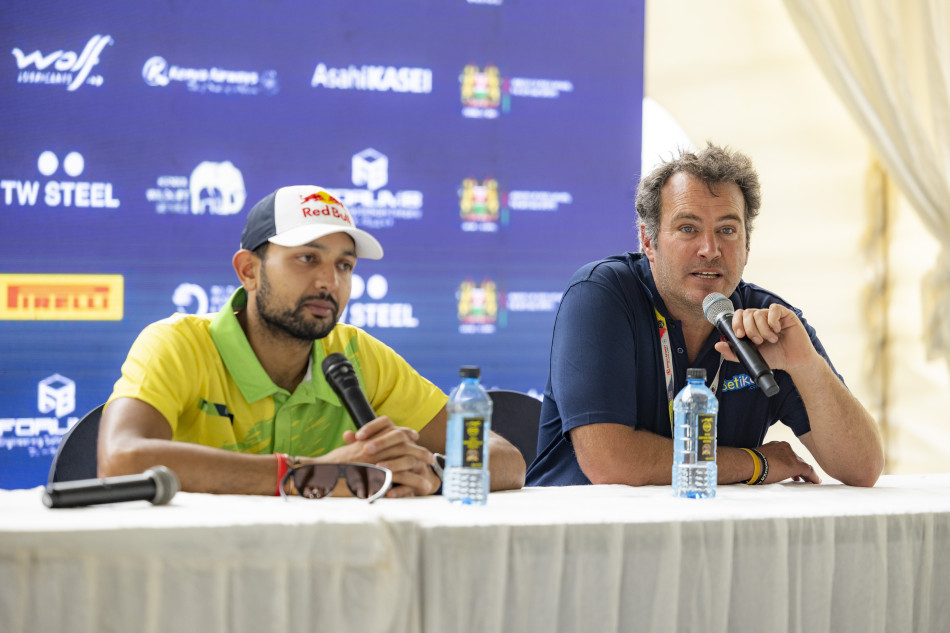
(716, 305)
(333, 361)
(338, 371)
(166, 484)
(345, 384)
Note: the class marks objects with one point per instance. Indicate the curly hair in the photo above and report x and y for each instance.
(714, 165)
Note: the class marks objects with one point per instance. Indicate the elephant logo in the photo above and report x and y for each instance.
(217, 188)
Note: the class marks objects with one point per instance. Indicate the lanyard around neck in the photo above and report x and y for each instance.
(666, 351)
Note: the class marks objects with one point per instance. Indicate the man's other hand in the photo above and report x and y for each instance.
(394, 447)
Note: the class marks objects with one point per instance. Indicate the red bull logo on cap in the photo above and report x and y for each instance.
(320, 196)
(322, 204)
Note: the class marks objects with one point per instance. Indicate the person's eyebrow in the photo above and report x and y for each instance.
(348, 252)
(688, 215)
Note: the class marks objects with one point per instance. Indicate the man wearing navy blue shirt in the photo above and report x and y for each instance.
(630, 325)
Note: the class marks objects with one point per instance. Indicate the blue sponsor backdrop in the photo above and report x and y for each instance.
(492, 147)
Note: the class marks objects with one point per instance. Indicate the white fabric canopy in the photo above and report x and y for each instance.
(889, 61)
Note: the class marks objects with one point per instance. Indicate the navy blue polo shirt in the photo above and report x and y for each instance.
(606, 366)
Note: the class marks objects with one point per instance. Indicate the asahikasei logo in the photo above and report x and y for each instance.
(60, 193)
(62, 67)
(373, 78)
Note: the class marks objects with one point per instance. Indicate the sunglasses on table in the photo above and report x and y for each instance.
(313, 481)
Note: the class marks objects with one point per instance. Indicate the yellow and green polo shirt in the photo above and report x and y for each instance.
(200, 372)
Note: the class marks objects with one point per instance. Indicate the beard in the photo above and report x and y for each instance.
(293, 322)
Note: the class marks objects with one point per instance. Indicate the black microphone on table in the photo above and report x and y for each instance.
(718, 310)
(157, 484)
(342, 378)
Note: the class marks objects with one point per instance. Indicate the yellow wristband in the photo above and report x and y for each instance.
(757, 471)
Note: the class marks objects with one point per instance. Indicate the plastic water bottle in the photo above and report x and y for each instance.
(466, 474)
(695, 412)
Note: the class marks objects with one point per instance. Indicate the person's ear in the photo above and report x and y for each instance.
(646, 244)
(247, 265)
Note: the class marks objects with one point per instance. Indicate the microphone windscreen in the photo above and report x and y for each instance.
(166, 484)
(338, 365)
(716, 305)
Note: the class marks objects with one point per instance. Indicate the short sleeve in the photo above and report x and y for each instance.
(593, 357)
(159, 370)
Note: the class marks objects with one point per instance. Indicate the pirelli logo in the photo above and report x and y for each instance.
(61, 297)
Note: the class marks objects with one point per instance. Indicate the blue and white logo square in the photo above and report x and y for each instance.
(56, 394)
(370, 169)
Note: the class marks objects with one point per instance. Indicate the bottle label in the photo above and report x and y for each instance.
(706, 442)
(473, 442)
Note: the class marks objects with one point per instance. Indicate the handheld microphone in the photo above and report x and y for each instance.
(718, 310)
(157, 484)
(342, 378)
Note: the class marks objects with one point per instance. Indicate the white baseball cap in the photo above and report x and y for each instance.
(299, 214)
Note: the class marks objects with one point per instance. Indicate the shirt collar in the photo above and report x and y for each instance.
(642, 266)
(242, 362)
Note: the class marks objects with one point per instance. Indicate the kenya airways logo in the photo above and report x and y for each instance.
(62, 67)
(331, 207)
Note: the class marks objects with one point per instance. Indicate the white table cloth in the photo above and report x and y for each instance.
(779, 558)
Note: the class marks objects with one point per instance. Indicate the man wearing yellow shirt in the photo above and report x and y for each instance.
(224, 400)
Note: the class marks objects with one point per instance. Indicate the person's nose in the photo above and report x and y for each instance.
(709, 245)
(327, 277)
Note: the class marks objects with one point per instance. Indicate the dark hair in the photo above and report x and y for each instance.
(713, 165)
(261, 251)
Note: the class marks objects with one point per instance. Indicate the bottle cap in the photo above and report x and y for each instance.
(696, 372)
(469, 371)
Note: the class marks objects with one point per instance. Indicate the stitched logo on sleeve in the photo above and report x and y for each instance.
(212, 408)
